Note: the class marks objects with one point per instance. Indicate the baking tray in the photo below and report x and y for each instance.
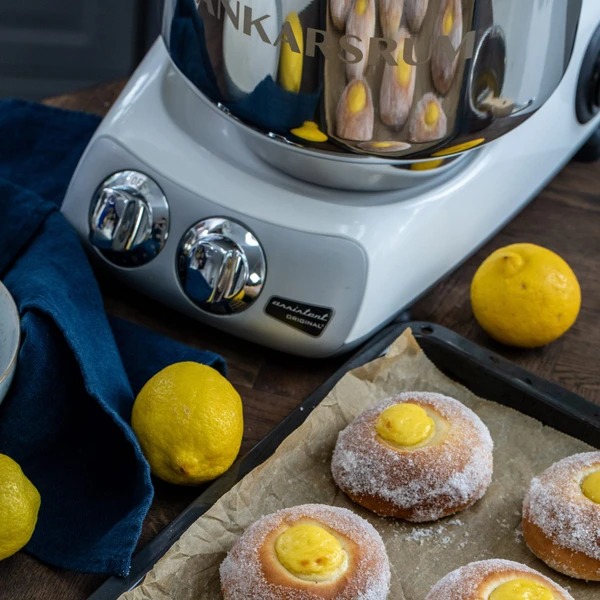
(484, 373)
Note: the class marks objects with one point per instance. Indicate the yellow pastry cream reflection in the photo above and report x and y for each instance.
(357, 98)
(591, 487)
(449, 25)
(432, 114)
(397, 86)
(405, 425)
(355, 115)
(380, 145)
(292, 57)
(403, 72)
(448, 20)
(429, 121)
(383, 147)
(310, 552)
(521, 589)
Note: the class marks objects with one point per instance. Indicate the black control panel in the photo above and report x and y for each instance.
(588, 88)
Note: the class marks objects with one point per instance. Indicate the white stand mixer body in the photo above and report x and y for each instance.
(339, 264)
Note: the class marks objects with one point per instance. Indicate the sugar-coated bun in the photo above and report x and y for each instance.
(561, 525)
(439, 476)
(254, 569)
(479, 581)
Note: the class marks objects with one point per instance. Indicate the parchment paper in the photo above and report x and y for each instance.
(298, 473)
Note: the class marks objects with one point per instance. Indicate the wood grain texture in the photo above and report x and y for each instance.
(565, 217)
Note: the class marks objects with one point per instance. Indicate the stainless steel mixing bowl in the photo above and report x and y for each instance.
(375, 82)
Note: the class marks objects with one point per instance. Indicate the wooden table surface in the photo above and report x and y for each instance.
(565, 217)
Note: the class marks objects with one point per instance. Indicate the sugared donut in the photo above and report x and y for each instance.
(497, 580)
(561, 516)
(417, 456)
(306, 553)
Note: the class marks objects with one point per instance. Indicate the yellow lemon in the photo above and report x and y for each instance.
(19, 507)
(525, 296)
(189, 422)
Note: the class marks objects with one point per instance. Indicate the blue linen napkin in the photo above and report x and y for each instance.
(66, 417)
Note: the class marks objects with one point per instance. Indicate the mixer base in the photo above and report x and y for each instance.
(339, 264)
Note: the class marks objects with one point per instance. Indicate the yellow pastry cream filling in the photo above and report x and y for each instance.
(310, 552)
(405, 425)
(357, 97)
(591, 487)
(522, 589)
(361, 7)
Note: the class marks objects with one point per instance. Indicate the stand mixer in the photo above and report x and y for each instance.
(203, 189)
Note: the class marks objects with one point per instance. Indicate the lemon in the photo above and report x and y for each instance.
(525, 296)
(19, 507)
(189, 422)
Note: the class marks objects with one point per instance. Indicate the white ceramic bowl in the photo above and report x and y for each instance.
(10, 339)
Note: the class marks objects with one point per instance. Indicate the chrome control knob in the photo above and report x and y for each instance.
(221, 266)
(129, 219)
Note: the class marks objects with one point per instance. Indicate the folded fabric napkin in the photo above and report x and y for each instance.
(65, 419)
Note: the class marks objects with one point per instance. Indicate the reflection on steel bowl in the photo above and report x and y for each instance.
(396, 79)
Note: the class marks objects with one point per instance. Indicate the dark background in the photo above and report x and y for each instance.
(52, 47)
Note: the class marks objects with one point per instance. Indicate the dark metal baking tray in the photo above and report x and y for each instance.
(483, 372)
